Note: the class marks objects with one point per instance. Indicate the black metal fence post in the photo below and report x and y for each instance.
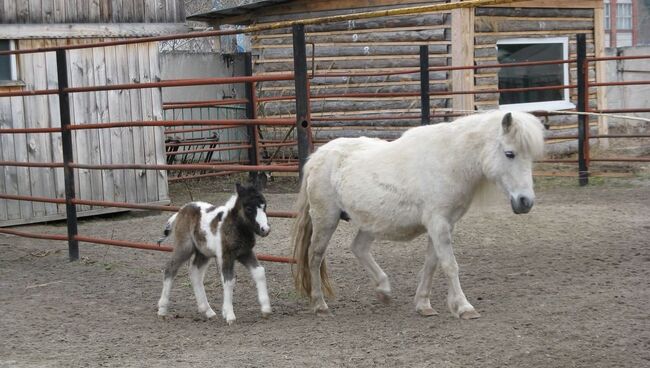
(253, 130)
(68, 158)
(303, 120)
(583, 103)
(425, 100)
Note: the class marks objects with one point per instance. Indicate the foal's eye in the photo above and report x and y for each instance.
(510, 154)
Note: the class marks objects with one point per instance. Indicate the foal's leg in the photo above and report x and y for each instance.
(257, 272)
(361, 249)
(182, 252)
(198, 266)
(228, 280)
(440, 233)
(423, 292)
(323, 228)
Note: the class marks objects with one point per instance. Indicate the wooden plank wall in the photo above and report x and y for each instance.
(382, 44)
(87, 67)
(493, 24)
(92, 11)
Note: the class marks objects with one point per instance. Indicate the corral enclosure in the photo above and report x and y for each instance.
(564, 286)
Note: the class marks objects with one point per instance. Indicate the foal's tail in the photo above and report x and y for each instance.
(301, 241)
(169, 226)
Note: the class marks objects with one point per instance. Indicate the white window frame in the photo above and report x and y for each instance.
(12, 65)
(565, 102)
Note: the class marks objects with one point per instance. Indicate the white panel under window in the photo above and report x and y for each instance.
(623, 39)
(534, 49)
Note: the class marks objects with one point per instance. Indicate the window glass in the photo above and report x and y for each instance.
(531, 76)
(5, 61)
(623, 16)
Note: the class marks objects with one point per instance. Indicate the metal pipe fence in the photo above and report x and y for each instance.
(302, 122)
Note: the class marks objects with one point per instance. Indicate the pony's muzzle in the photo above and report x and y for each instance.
(264, 230)
(521, 204)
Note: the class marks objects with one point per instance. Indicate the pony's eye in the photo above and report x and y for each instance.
(510, 154)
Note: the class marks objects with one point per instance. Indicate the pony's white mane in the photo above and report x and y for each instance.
(526, 132)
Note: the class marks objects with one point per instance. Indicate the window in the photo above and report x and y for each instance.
(624, 14)
(607, 15)
(534, 49)
(7, 62)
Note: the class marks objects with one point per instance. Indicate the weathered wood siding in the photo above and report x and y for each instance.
(382, 44)
(494, 24)
(91, 11)
(87, 67)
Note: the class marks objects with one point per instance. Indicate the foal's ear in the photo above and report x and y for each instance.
(506, 123)
(238, 188)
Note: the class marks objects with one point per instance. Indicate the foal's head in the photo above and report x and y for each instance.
(250, 209)
(510, 159)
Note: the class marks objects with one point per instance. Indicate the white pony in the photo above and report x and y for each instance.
(422, 182)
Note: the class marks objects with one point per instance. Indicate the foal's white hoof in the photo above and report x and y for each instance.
(470, 314)
(266, 313)
(162, 312)
(427, 312)
(322, 312)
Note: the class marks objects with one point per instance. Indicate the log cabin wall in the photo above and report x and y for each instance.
(381, 44)
(494, 24)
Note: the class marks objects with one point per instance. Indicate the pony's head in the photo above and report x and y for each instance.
(251, 209)
(508, 159)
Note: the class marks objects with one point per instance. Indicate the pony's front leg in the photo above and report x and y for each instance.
(440, 233)
(257, 272)
(423, 292)
(228, 280)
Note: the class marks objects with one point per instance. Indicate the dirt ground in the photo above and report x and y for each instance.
(564, 286)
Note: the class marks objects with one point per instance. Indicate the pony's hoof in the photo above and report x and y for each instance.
(210, 314)
(427, 312)
(322, 312)
(470, 314)
(266, 313)
(384, 298)
(230, 321)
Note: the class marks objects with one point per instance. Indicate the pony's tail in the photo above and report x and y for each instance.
(301, 241)
(169, 226)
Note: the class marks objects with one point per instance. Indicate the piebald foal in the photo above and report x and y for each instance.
(227, 233)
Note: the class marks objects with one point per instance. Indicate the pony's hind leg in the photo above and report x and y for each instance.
(182, 252)
(440, 233)
(361, 249)
(321, 235)
(198, 266)
(423, 292)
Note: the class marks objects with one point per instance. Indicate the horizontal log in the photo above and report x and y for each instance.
(358, 81)
(333, 134)
(491, 39)
(534, 12)
(348, 105)
(511, 25)
(352, 89)
(420, 20)
(333, 65)
(379, 36)
(360, 50)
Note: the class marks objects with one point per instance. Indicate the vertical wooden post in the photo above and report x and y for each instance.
(425, 100)
(583, 106)
(253, 130)
(303, 120)
(68, 158)
(462, 54)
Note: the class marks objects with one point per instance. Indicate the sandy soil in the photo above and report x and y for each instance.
(565, 286)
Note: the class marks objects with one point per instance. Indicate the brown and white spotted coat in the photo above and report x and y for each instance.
(203, 231)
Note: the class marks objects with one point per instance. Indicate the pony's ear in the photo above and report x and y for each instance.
(506, 123)
(239, 188)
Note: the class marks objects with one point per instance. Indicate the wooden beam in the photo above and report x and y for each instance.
(88, 30)
(462, 54)
(601, 73)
